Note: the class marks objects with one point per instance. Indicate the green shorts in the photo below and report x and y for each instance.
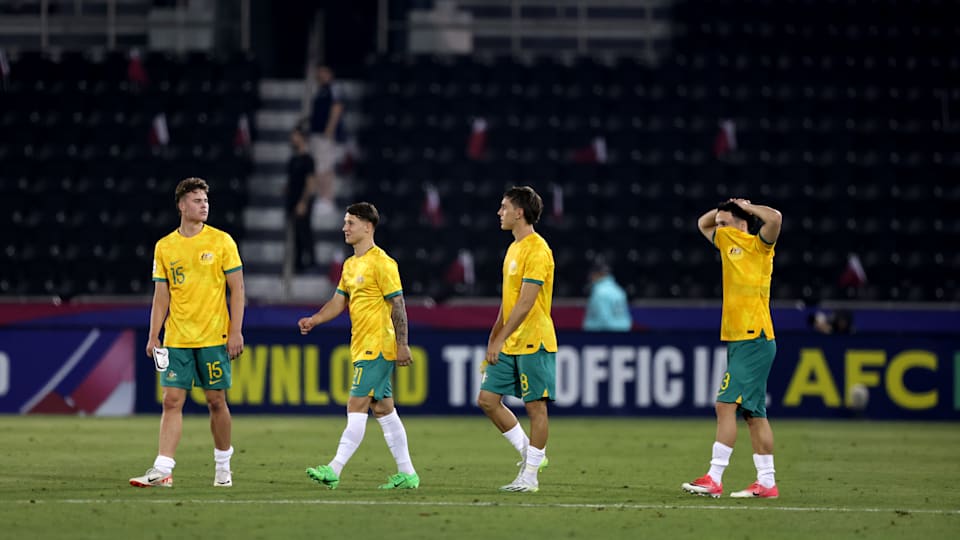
(208, 366)
(371, 378)
(745, 382)
(526, 376)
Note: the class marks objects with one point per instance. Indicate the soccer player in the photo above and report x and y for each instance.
(746, 326)
(370, 284)
(522, 349)
(192, 267)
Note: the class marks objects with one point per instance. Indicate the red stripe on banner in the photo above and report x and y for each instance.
(53, 403)
(115, 367)
(14, 313)
(564, 317)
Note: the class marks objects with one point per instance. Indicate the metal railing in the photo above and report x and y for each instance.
(589, 25)
(102, 24)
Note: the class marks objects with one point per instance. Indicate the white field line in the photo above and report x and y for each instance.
(479, 504)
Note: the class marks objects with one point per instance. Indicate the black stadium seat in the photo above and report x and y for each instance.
(76, 157)
(838, 127)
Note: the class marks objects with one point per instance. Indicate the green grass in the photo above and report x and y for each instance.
(66, 477)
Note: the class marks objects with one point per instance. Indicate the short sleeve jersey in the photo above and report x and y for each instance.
(195, 270)
(369, 282)
(529, 260)
(747, 262)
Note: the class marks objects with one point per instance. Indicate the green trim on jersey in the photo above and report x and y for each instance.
(343, 292)
(530, 280)
(232, 270)
(764, 240)
(164, 280)
(391, 295)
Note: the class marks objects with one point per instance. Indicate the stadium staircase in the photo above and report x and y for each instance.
(268, 272)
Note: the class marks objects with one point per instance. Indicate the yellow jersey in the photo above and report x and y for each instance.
(368, 282)
(747, 262)
(195, 269)
(530, 260)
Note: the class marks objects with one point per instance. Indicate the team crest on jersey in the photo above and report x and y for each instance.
(360, 280)
(735, 253)
(206, 258)
(171, 375)
(512, 269)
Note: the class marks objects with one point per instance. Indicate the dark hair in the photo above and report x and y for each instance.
(753, 221)
(365, 211)
(526, 198)
(188, 185)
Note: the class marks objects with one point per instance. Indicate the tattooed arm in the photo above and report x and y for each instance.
(398, 314)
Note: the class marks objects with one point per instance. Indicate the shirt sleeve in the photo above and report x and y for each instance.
(159, 265)
(720, 238)
(390, 279)
(231, 256)
(763, 245)
(537, 266)
(342, 284)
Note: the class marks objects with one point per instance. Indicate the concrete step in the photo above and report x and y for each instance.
(263, 286)
(270, 287)
(272, 251)
(271, 152)
(266, 185)
(275, 124)
(258, 268)
(270, 168)
(264, 218)
(273, 120)
(282, 104)
(313, 288)
(277, 235)
(281, 88)
(269, 251)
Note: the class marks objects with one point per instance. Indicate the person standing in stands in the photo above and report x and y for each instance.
(192, 268)
(607, 307)
(326, 133)
(745, 324)
(299, 191)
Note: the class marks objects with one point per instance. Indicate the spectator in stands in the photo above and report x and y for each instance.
(607, 308)
(192, 267)
(746, 326)
(839, 322)
(300, 189)
(326, 133)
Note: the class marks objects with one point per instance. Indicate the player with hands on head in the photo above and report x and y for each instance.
(746, 326)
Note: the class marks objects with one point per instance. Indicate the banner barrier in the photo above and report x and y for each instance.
(653, 374)
(67, 371)
(786, 318)
(105, 372)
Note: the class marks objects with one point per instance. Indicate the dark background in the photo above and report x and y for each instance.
(278, 30)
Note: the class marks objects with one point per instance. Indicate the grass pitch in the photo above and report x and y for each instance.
(66, 477)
